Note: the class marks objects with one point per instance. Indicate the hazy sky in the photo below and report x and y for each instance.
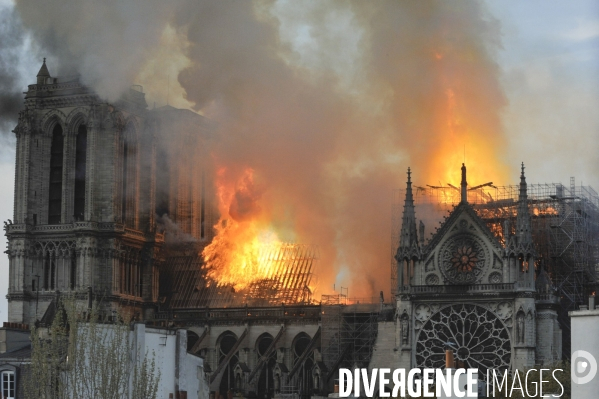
(549, 68)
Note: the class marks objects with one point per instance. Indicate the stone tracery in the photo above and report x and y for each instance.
(462, 259)
(482, 340)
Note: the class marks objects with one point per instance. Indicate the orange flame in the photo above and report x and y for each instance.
(544, 211)
(247, 253)
(462, 138)
(233, 256)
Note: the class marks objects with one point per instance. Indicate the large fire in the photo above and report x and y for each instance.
(245, 233)
(233, 256)
(462, 138)
(247, 253)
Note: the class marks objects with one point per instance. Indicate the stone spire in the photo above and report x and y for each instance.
(43, 74)
(464, 185)
(523, 222)
(408, 250)
(408, 223)
(543, 282)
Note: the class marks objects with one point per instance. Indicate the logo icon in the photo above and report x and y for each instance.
(584, 367)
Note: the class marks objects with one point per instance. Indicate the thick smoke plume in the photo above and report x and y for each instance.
(11, 97)
(327, 102)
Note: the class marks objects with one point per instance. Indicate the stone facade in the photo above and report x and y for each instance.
(87, 177)
(472, 292)
(259, 352)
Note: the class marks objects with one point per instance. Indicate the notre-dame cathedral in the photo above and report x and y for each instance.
(469, 291)
(103, 190)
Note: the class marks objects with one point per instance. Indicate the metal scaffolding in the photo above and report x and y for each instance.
(358, 333)
(331, 330)
(565, 223)
(349, 333)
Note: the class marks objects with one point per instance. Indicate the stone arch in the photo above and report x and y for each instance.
(530, 327)
(404, 323)
(240, 372)
(76, 149)
(300, 343)
(78, 116)
(261, 344)
(224, 343)
(520, 327)
(265, 386)
(319, 373)
(50, 119)
(129, 161)
(117, 119)
(54, 263)
(63, 248)
(482, 339)
(279, 376)
(133, 124)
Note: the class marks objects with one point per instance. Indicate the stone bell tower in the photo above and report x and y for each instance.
(83, 209)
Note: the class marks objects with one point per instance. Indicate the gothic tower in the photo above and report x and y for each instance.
(83, 210)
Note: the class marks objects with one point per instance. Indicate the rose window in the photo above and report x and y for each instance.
(479, 337)
(462, 259)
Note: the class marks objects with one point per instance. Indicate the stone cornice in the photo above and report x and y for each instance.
(23, 230)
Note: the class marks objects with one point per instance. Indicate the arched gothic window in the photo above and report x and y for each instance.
(266, 384)
(304, 382)
(80, 165)
(55, 187)
(50, 271)
(225, 344)
(131, 273)
(129, 179)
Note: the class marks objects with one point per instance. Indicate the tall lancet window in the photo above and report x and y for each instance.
(129, 189)
(80, 164)
(55, 189)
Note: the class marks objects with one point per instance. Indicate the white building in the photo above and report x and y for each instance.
(585, 351)
(181, 373)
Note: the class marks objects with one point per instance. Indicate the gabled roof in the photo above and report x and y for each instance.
(21, 353)
(462, 208)
(543, 282)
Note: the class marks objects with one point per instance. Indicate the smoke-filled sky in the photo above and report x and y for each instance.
(330, 102)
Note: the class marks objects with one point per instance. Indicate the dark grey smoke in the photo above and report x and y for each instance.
(329, 128)
(107, 42)
(11, 96)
